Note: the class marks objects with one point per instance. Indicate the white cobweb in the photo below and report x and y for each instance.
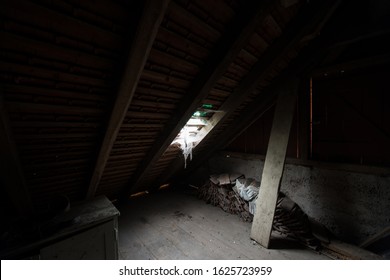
(190, 136)
(186, 142)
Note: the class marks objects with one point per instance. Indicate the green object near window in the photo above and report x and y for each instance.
(207, 106)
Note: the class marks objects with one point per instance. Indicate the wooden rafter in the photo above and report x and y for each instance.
(223, 54)
(11, 169)
(308, 21)
(257, 107)
(148, 26)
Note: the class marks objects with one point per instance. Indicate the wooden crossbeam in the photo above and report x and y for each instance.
(352, 65)
(148, 26)
(225, 51)
(12, 177)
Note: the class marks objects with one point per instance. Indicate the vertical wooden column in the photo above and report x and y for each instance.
(274, 164)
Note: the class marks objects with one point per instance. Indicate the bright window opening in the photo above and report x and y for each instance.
(191, 134)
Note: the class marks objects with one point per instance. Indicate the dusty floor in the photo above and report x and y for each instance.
(169, 225)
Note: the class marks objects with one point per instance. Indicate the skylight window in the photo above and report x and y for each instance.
(190, 135)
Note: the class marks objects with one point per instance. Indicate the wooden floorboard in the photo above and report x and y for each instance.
(171, 225)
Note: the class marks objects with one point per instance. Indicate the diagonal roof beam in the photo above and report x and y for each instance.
(226, 50)
(11, 172)
(253, 112)
(261, 103)
(308, 21)
(148, 26)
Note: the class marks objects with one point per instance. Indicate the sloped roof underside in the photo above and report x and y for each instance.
(62, 73)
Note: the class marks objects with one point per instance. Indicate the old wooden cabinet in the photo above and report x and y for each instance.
(89, 230)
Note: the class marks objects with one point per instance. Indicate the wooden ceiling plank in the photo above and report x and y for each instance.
(48, 50)
(40, 108)
(221, 57)
(39, 91)
(54, 124)
(146, 32)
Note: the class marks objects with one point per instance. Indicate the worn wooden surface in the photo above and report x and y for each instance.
(350, 252)
(98, 243)
(274, 165)
(167, 225)
(80, 217)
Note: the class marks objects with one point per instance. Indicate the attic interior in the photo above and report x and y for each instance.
(141, 107)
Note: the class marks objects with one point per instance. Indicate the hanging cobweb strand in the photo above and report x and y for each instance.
(187, 151)
(186, 147)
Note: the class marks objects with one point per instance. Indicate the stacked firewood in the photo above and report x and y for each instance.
(289, 218)
(291, 221)
(224, 197)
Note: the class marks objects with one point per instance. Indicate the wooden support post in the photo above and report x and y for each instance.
(274, 165)
(11, 170)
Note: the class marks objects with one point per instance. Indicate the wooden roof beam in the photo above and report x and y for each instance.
(238, 34)
(308, 21)
(147, 29)
(352, 65)
(257, 107)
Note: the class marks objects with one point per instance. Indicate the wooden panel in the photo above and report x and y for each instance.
(181, 43)
(350, 123)
(93, 244)
(41, 91)
(28, 12)
(52, 51)
(196, 26)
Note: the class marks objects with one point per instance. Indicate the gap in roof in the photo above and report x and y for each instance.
(190, 135)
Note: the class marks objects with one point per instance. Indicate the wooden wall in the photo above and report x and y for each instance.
(351, 121)
(351, 118)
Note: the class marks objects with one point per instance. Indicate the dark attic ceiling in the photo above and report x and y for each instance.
(94, 92)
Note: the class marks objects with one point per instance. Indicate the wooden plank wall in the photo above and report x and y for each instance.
(59, 62)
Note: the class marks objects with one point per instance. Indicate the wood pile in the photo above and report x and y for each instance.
(289, 219)
(226, 198)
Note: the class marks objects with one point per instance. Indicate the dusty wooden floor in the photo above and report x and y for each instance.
(168, 225)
